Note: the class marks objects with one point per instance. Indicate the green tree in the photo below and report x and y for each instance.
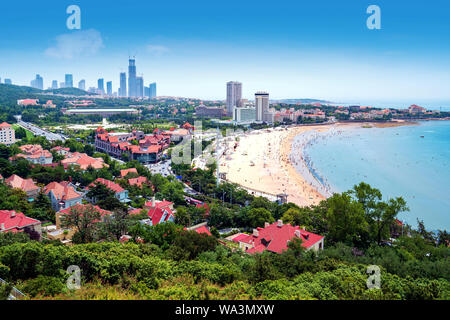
(83, 219)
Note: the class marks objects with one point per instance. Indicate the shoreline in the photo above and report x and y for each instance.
(271, 161)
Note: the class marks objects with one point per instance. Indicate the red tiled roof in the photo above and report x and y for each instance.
(26, 185)
(137, 181)
(62, 191)
(158, 204)
(5, 125)
(15, 221)
(124, 172)
(109, 184)
(156, 215)
(275, 238)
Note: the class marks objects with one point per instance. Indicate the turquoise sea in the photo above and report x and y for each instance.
(398, 161)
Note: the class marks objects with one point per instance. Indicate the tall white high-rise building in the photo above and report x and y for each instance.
(234, 96)
(262, 106)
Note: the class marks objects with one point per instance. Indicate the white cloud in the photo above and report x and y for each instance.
(157, 50)
(75, 44)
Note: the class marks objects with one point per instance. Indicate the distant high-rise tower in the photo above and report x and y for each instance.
(132, 92)
(69, 81)
(262, 106)
(109, 88)
(38, 83)
(54, 84)
(123, 84)
(101, 85)
(139, 87)
(8, 81)
(234, 96)
(82, 84)
(153, 90)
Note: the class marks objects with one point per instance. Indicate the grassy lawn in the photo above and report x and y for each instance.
(29, 134)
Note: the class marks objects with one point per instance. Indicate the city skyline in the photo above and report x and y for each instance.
(293, 56)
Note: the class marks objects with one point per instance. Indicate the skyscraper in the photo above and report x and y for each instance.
(38, 83)
(82, 84)
(152, 90)
(234, 96)
(69, 81)
(132, 78)
(262, 106)
(55, 84)
(123, 84)
(147, 92)
(109, 88)
(8, 81)
(101, 85)
(139, 87)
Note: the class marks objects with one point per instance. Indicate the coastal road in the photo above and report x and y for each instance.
(37, 131)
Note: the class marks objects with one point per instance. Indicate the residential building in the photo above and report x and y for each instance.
(61, 150)
(27, 185)
(12, 221)
(415, 109)
(148, 150)
(140, 87)
(120, 193)
(35, 154)
(132, 92)
(82, 85)
(83, 161)
(54, 84)
(262, 106)
(62, 195)
(244, 115)
(159, 212)
(28, 102)
(109, 88)
(7, 134)
(276, 237)
(234, 96)
(125, 172)
(68, 81)
(152, 90)
(204, 111)
(38, 83)
(101, 85)
(123, 85)
(139, 181)
(65, 234)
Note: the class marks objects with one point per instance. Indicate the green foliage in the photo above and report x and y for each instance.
(43, 285)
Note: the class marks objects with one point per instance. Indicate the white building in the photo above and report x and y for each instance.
(262, 107)
(7, 134)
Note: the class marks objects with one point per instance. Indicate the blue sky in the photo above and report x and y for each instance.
(292, 49)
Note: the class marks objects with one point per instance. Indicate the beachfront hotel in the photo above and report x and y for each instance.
(234, 96)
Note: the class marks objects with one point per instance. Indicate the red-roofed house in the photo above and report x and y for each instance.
(139, 181)
(11, 221)
(59, 233)
(27, 185)
(275, 238)
(123, 173)
(61, 150)
(158, 204)
(200, 228)
(62, 195)
(120, 193)
(83, 161)
(159, 215)
(35, 154)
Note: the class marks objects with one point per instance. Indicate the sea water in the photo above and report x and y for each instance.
(411, 161)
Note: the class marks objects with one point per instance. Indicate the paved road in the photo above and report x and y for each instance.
(162, 167)
(50, 136)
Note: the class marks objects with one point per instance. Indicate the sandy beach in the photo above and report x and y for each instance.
(271, 161)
